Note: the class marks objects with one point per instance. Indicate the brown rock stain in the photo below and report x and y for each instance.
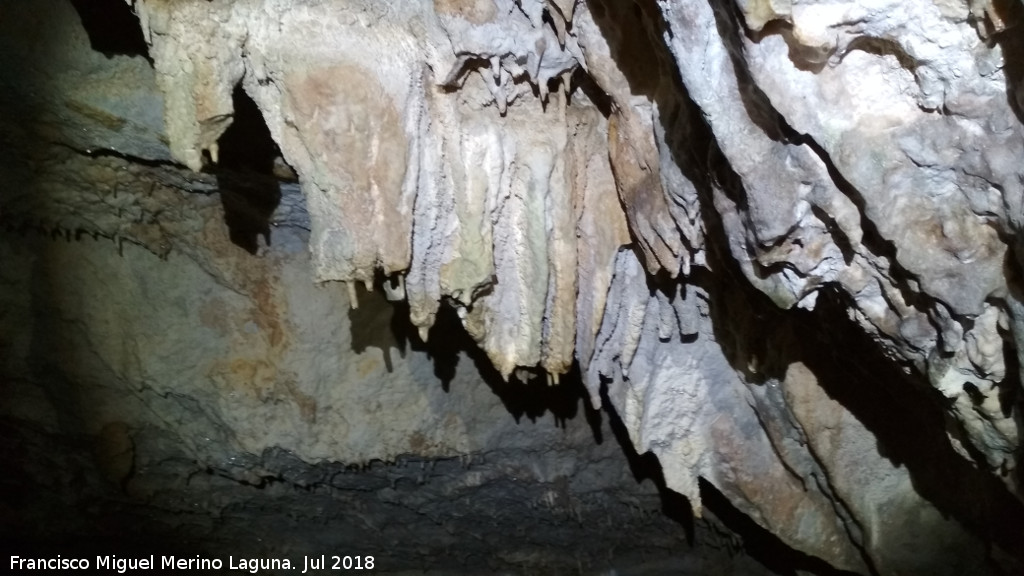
(418, 443)
(256, 377)
(253, 365)
(635, 165)
(266, 314)
(211, 315)
(352, 123)
(367, 365)
(97, 115)
(306, 403)
(475, 11)
(422, 445)
(781, 500)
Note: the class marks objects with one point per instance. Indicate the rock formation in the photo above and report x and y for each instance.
(776, 241)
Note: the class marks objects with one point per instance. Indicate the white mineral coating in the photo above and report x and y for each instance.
(869, 148)
(906, 106)
(470, 203)
(196, 71)
(687, 405)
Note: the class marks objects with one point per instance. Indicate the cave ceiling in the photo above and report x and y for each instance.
(751, 256)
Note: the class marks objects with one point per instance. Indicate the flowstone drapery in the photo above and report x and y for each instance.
(702, 204)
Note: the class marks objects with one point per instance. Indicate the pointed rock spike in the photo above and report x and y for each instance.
(496, 67)
(560, 24)
(353, 298)
(541, 46)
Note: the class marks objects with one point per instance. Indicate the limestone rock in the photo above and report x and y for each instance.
(732, 217)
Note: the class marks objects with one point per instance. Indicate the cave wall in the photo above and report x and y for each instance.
(774, 241)
(218, 402)
(172, 381)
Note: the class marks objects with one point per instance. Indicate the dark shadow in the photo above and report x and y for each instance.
(249, 190)
(376, 323)
(113, 28)
(1009, 390)
(901, 411)
(1010, 393)
(1011, 41)
(906, 417)
(585, 83)
(385, 325)
(448, 341)
(803, 57)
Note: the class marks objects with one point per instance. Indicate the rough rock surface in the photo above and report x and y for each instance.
(776, 241)
(169, 365)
